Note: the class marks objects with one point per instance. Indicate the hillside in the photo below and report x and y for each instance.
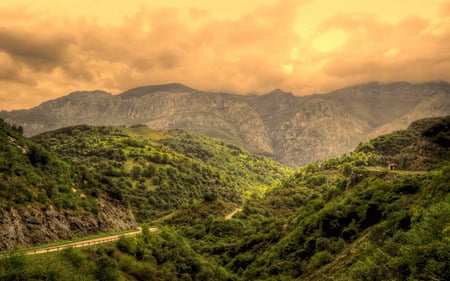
(158, 173)
(291, 129)
(422, 145)
(44, 198)
(346, 218)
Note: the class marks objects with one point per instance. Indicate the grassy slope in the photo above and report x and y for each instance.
(158, 173)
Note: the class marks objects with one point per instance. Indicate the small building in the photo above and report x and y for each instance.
(392, 166)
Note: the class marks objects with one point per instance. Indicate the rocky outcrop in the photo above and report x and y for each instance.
(30, 225)
(294, 130)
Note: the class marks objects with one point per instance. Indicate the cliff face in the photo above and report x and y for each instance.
(28, 225)
(294, 130)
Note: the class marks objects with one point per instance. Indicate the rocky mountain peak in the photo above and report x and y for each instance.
(279, 92)
(292, 129)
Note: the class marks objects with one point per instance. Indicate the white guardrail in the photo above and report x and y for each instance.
(86, 243)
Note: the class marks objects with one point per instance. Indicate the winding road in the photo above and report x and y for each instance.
(101, 240)
(230, 215)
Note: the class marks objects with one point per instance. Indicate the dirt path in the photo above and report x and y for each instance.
(85, 243)
(230, 215)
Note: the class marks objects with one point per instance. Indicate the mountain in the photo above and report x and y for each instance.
(345, 218)
(44, 198)
(294, 130)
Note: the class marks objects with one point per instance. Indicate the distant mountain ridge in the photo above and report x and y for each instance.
(292, 129)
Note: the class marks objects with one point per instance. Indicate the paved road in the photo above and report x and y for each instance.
(107, 239)
(85, 243)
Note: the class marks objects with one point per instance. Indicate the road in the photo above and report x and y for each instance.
(230, 215)
(107, 239)
(85, 243)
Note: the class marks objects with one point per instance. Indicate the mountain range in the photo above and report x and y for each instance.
(294, 130)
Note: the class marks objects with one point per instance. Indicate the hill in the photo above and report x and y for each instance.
(346, 218)
(423, 144)
(291, 129)
(157, 173)
(44, 198)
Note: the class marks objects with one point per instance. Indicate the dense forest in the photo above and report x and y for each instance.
(346, 218)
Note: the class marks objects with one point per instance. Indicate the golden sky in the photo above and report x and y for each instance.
(49, 48)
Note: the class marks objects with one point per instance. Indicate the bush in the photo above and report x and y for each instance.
(74, 256)
(210, 197)
(127, 245)
(106, 270)
(320, 258)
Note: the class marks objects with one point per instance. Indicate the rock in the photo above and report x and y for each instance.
(29, 225)
(292, 129)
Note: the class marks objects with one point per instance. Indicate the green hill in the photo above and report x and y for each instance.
(31, 173)
(343, 219)
(424, 143)
(158, 173)
(43, 198)
(347, 218)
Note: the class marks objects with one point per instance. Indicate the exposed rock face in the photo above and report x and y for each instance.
(28, 225)
(294, 130)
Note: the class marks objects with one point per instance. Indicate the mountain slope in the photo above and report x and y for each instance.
(157, 173)
(43, 198)
(293, 130)
(343, 219)
(424, 143)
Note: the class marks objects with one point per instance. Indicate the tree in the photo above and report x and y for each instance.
(106, 270)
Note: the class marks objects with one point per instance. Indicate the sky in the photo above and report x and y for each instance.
(51, 48)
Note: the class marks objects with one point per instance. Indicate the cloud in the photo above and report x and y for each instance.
(36, 50)
(43, 57)
(413, 49)
(445, 9)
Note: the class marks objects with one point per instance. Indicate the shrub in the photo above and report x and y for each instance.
(320, 258)
(126, 245)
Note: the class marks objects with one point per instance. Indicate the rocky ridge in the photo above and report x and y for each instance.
(292, 129)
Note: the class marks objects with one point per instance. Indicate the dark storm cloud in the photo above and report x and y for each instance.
(40, 52)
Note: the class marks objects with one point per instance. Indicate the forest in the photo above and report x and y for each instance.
(345, 218)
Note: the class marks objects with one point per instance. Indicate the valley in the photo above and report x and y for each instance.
(223, 213)
(274, 140)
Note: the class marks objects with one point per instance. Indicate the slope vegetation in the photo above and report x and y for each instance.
(157, 173)
(43, 198)
(342, 219)
(346, 218)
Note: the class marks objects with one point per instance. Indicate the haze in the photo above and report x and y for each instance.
(50, 48)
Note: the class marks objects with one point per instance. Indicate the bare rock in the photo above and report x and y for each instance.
(30, 225)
